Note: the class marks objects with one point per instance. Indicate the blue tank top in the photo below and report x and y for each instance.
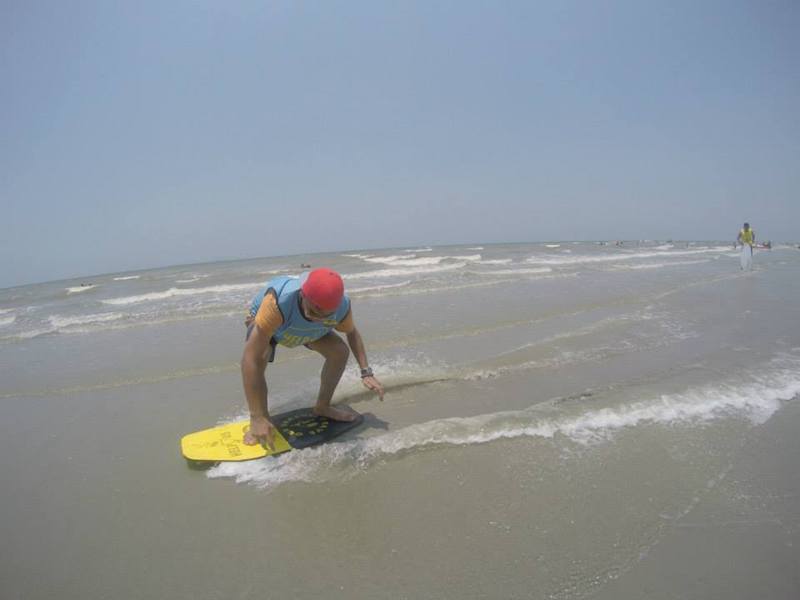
(296, 330)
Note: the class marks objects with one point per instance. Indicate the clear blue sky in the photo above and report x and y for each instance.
(142, 134)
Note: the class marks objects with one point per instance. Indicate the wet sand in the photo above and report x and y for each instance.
(607, 432)
(741, 537)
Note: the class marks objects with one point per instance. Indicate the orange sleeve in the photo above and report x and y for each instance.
(346, 325)
(268, 317)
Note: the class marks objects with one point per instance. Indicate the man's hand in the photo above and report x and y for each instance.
(371, 383)
(261, 431)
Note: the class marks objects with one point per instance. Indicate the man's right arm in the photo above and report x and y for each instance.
(254, 363)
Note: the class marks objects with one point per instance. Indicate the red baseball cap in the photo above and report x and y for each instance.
(324, 288)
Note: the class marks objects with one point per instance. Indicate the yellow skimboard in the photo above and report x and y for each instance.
(296, 429)
(226, 443)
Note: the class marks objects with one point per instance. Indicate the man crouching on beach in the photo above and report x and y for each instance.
(300, 310)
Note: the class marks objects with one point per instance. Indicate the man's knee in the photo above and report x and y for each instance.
(340, 351)
(331, 347)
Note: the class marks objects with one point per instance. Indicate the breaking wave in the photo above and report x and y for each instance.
(755, 400)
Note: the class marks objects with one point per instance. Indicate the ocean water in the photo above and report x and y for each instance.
(553, 413)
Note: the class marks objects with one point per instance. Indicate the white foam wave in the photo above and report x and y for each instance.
(532, 271)
(448, 287)
(405, 260)
(176, 292)
(388, 259)
(476, 248)
(126, 278)
(378, 288)
(756, 400)
(361, 256)
(495, 261)
(602, 258)
(7, 321)
(60, 322)
(80, 288)
(660, 265)
(26, 335)
(552, 245)
(468, 258)
(403, 271)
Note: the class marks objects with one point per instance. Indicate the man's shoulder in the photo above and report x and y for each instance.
(269, 316)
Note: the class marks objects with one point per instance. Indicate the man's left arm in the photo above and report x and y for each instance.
(356, 343)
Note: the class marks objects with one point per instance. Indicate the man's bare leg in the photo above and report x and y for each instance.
(336, 353)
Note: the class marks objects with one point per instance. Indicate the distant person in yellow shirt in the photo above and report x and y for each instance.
(747, 238)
